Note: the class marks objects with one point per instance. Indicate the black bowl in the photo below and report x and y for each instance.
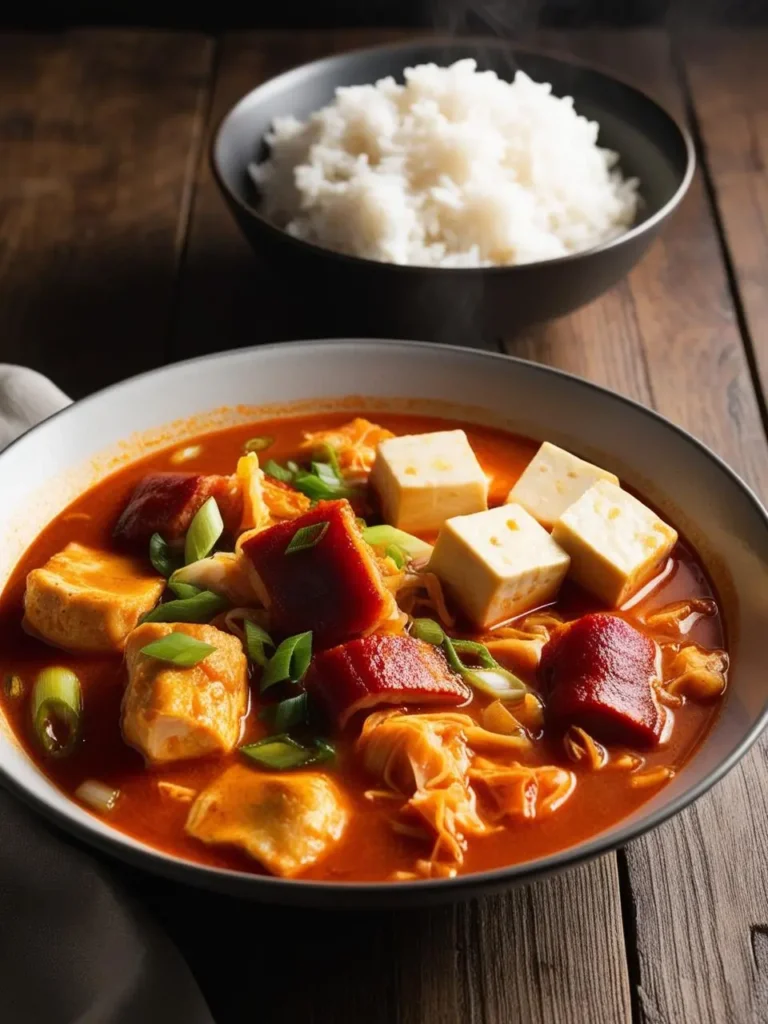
(359, 297)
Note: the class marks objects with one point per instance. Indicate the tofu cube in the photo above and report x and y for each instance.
(552, 481)
(173, 714)
(498, 564)
(88, 600)
(615, 542)
(285, 822)
(424, 479)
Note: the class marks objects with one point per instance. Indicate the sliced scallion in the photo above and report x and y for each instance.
(201, 607)
(385, 536)
(496, 682)
(183, 590)
(162, 557)
(178, 649)
(397, 555)
(204, 530)
(256, 639)
(289, 662)
(427, 630)
(57, 704)
(97, 795)
(490, 677)
(306, 537)
(278, 472)
(329, 453)
(286, 714)
(258, 444)
(283, 753)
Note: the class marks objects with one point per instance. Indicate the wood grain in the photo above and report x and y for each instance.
(229, 298)
(669, 337)
(97, 134)
(538, 954)
(727, 75)
(519, 956)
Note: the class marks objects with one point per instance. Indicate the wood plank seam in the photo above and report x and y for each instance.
(198, 152)
(710, 188)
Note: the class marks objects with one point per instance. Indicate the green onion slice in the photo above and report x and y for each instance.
(397, 555)
(306, 537)
(384, 537)
(289, 662)
(283, 753)
(287, 714)
(427, 630)
(57, 705)
(162, 557)
(328, 452)
(490, 678)
(256, 639)
(98, 795)
(204, 530)
(258, 444)
(183, 590)
(278, 472)
(201, 607)
(178, 649)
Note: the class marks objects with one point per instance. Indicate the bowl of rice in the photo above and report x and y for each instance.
(453, 191)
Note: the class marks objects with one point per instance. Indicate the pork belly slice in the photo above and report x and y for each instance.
(173, 714)
(597, 673)
(166, 503)
(88, 600)
(332, 587)
(285, 822)
(382, 669)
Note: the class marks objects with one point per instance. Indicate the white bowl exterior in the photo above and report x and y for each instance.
(44, 470)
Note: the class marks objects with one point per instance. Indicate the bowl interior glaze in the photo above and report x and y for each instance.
(47, 467)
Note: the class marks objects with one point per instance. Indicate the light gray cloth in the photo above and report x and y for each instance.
(74, 947)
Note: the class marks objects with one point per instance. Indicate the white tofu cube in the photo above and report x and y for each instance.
(498, 564)
(552, 481)
(615, 542)
(424, 479)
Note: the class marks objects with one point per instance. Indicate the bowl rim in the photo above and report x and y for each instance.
(286, 890)
(277, 82)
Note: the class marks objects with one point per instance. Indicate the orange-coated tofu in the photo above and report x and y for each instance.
(285, 822)
(172, 713)
(88, 600)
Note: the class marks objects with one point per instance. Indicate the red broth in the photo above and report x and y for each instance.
(370, 849)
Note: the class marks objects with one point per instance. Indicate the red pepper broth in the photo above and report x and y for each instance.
(370, 850)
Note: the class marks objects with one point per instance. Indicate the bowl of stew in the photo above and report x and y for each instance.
(346, 622)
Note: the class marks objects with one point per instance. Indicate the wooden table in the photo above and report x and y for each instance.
(117, 254)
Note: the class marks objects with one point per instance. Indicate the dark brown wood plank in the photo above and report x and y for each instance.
(520, 956)
(538, 954)
(727, 73)
(98, 137)
(228, 298)
(668, 336)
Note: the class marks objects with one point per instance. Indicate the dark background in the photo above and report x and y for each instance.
(500, 16)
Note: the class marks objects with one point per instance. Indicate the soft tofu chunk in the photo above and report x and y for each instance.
(552, 481)
(423, 479)
(172, 713)
(615, 542)
(87, 600)
(285, 822)
(498, 564)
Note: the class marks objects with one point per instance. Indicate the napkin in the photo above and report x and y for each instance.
(75, 948)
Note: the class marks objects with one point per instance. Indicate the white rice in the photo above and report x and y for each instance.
(456, 168)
